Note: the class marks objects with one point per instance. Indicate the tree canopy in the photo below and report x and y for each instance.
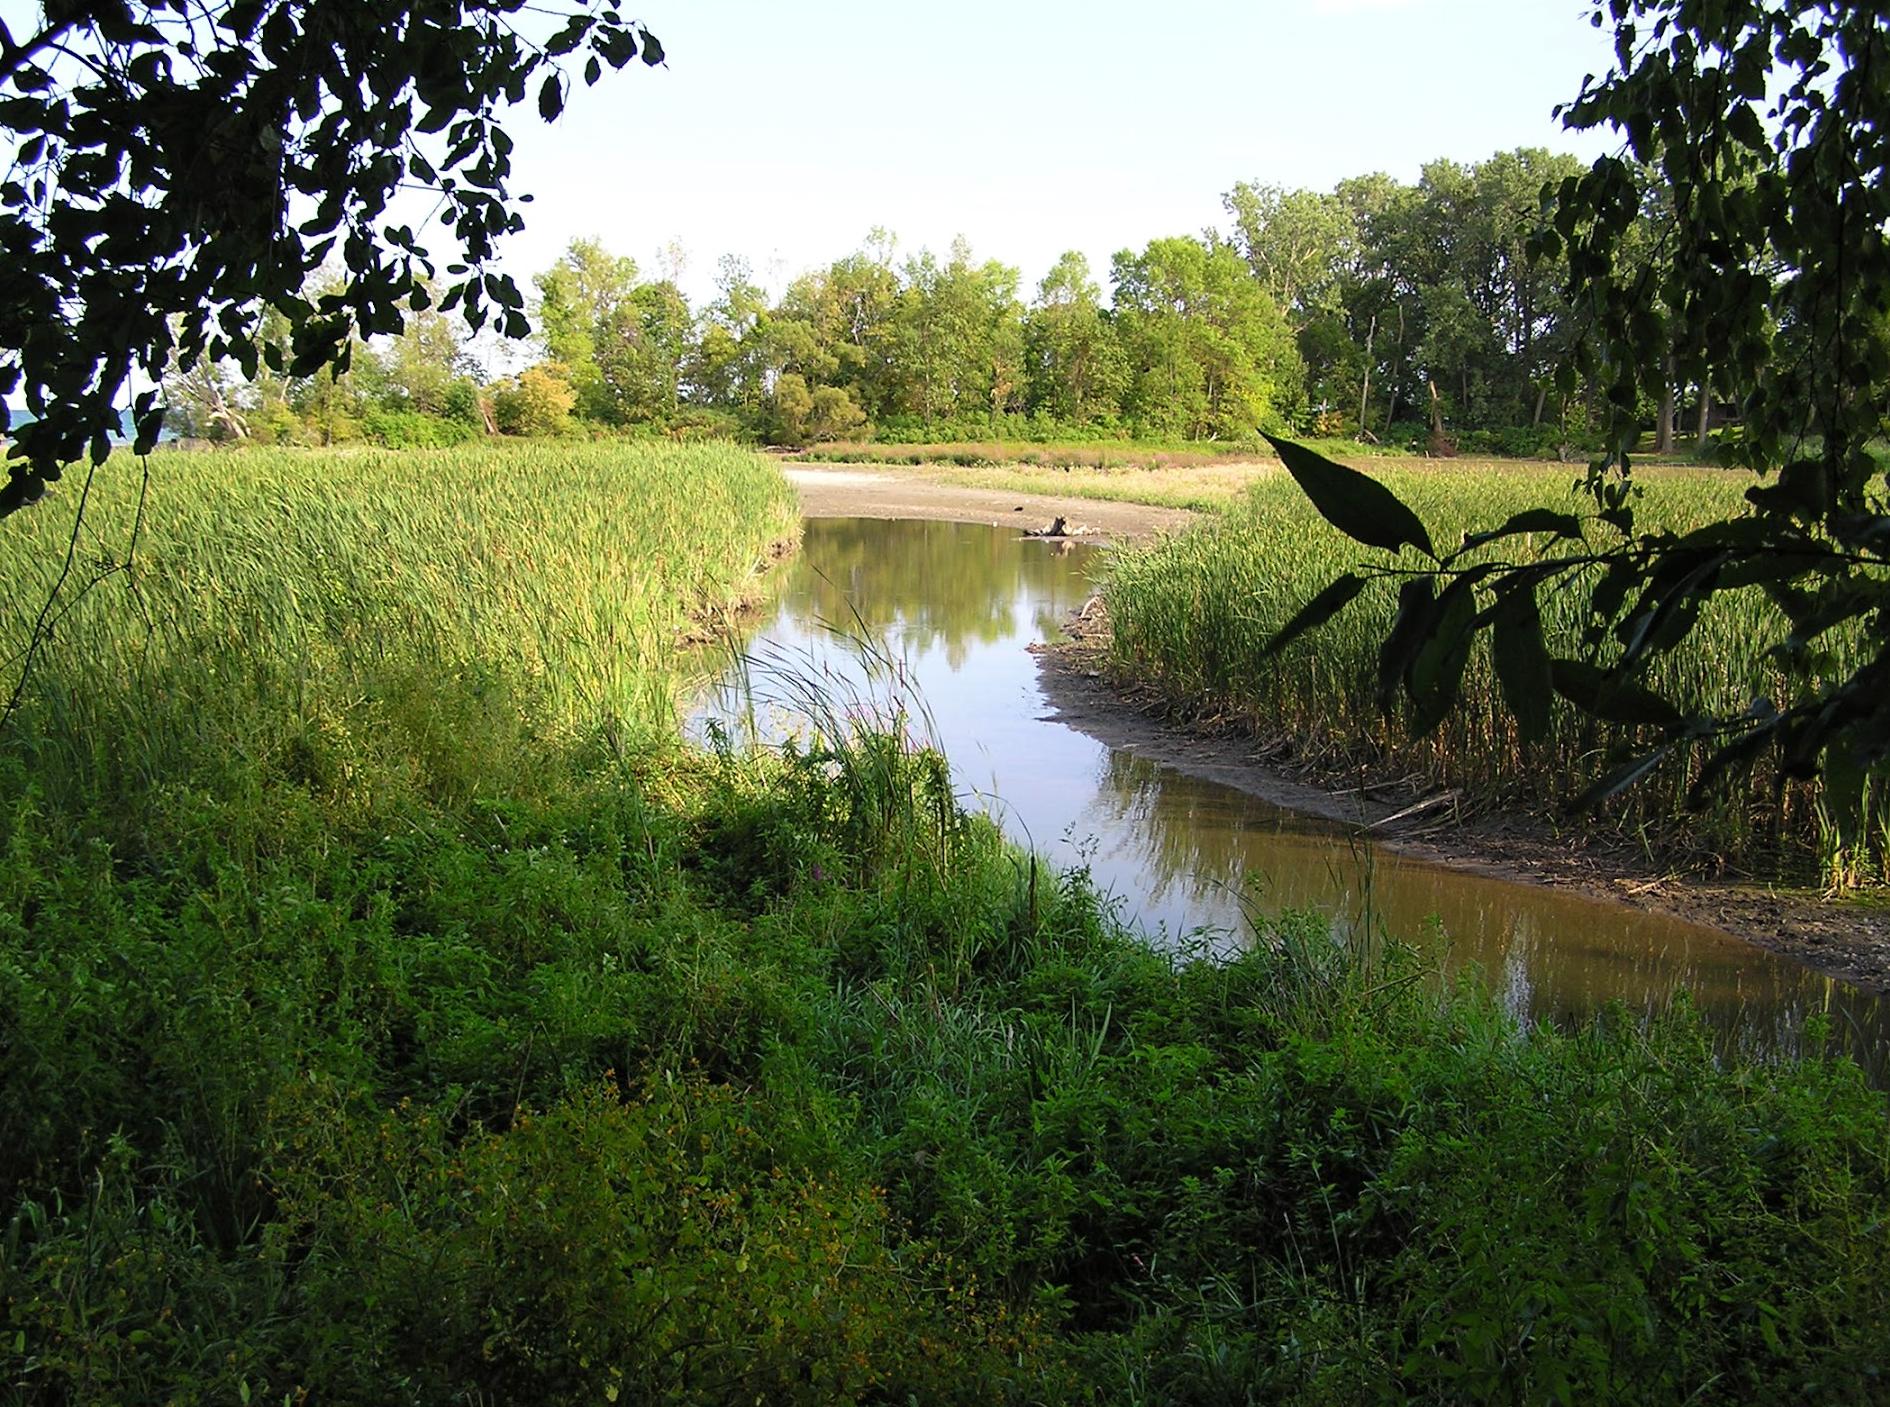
(184, 166)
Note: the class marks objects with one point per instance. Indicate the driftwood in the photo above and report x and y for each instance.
(1057, 528)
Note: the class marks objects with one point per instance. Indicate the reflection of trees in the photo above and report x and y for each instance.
(1548, 956)
(925, 584)
(1169, 840)
(1144, 808)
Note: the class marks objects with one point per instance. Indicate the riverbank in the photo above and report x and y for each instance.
(1845, 938)
(828, 492)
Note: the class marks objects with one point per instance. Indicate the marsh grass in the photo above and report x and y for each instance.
(278, 599)
(1192, 615)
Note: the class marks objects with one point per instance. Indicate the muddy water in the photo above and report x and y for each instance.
(1190, 860)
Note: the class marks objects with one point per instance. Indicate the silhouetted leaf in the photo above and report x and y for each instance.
(1316, 612)
(1417, 599)
(1600, 694)
(1621, 778)
(1530, 520)
(1437, 668)
(1354, 503)
(1521, 661)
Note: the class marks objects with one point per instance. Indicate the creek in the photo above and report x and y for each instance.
(952, 609)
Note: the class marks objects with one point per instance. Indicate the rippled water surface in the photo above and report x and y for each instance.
(957, 606)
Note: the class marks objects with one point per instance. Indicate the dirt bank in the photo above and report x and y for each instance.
(862, 493)
(1842, 938)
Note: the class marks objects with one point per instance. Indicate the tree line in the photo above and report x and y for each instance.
(1417, 314)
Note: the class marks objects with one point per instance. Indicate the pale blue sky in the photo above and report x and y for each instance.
(784, 132)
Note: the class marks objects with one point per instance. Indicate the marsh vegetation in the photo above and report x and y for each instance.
(426, 1024)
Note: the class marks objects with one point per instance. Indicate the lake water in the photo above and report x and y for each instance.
(954, 608)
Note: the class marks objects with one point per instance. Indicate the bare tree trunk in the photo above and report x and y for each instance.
(1663, 433)
(1542, 399)
(1705, 414)
(1397, 373)
(1365, 391)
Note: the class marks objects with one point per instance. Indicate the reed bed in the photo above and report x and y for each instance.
(1192, 613)
(267, 593)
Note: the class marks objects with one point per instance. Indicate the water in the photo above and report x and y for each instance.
(1189, 859)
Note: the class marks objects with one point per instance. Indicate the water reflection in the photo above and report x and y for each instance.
(957, 605)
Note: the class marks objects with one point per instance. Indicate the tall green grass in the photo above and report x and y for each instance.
(1192, 614)
(274, 599)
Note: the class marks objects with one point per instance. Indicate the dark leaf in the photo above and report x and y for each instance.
(1734, 755)
(1354, 503)
(1530, 520)
(1409, 630)
(1621, 778)
(1437, 669)
(1521, 660)
(1316, 612)
(1600, 695)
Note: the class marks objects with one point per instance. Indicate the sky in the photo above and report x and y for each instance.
(784, 133)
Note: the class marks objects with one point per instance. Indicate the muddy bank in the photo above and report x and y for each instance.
(863, 493)
(1841, 938)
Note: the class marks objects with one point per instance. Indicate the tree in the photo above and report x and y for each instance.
(1075, 371)
(1209, 352)
(958, 330)
(537, 401)
(735, 355)
(180, 169)
(1766, 124)
(791, 406)
(1296, 242)
(425, 362)
(835, 326)
(642, 346)
(576, 296)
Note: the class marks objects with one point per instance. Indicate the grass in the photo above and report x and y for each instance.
(273, 589)
(1192, 615)
(393, 1013)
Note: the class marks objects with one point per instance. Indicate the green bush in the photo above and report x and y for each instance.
(413, 429)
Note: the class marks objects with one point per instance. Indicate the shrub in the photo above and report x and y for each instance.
(413, 429)
(536, 402)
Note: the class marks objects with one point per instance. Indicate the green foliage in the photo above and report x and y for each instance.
(1210, 354)
(538, 401)
(1773, 292)
(799, 416)
(183, 172)
(1208, 617)
(1748, 256)
(1076, 368)
(425, 1027)
(1341, 314)
(412, 429)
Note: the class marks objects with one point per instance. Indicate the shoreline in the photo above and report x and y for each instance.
(1846, 941)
